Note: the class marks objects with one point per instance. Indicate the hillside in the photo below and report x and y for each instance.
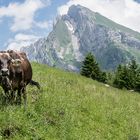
(81, 31)
(72, 107)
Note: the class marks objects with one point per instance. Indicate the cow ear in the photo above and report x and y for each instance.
(19, 61)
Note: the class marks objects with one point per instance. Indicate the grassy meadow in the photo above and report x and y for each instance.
(71, 107)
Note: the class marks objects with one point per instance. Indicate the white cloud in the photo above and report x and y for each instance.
(22, 13)
(21, 40)
(125, 12)
(44, 24)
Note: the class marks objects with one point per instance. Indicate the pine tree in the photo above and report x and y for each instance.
(128, 76)
(117, 81)
(137, 86)
(87, 67)
(133, 71)
(103, 77)
(90, 68)
(121, 77)
(96, 73)
(110, 77)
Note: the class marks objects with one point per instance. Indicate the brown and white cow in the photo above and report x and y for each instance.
(5, 61)
(16, 72)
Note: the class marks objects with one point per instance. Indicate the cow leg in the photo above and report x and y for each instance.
(24, 97)
(12, 96)
(6, 96)
(19, 96)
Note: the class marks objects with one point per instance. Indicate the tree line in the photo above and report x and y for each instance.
(126, 76)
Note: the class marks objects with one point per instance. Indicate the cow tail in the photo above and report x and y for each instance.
(34, 83)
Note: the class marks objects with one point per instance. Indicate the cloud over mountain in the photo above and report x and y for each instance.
(21, 40)
(125, 12)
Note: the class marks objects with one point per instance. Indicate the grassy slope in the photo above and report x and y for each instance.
(101, 20)
(111, 24)
(71, 107)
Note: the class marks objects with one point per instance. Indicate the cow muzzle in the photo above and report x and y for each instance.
(4, 72)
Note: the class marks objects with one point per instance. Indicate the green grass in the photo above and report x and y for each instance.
(111, 24)
(72, 107)
(101, 20)
(62, 33)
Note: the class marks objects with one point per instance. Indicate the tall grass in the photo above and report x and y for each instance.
(71, 107)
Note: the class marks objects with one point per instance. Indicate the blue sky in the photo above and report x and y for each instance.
(40, 24)
(137, 1)
(24, 21)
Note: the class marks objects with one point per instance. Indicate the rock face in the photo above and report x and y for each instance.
(82, 31)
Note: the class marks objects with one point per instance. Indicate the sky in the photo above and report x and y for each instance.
(24, 21)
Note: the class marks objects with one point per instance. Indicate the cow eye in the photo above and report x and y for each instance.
(9, 60)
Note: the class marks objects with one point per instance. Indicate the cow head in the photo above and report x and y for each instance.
(16, 65)
(16, 62)
(5, 61)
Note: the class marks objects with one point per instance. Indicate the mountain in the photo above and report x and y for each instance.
(82, 31)
(71, 107)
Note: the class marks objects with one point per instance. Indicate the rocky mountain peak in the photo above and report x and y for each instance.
(79, 13)
(82, 31)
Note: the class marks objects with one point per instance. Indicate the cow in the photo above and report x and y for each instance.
(5, 60)
(16, 72)
(18, 79)
(21, 55)
(20, 74)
